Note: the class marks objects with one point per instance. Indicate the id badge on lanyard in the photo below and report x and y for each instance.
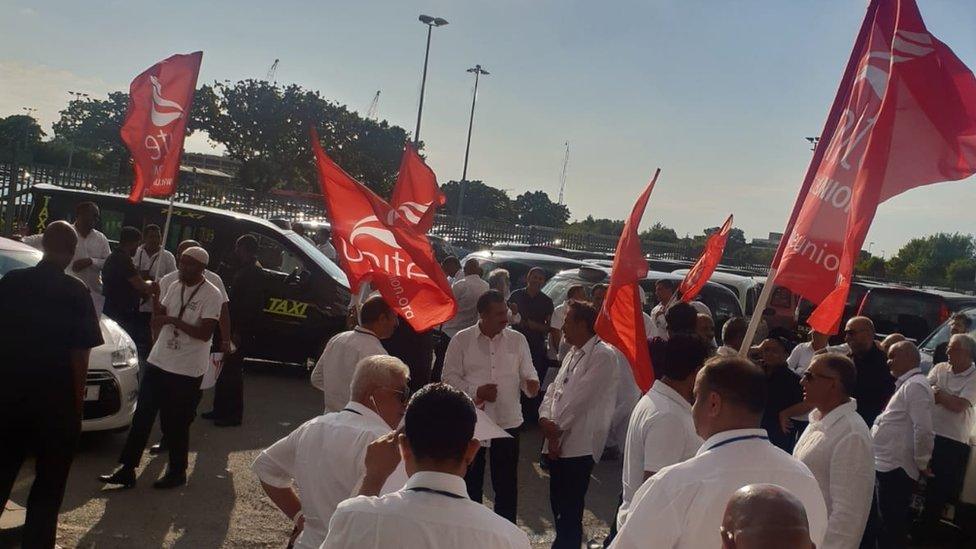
(174, 343)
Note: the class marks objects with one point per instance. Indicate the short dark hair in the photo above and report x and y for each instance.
(842, 366)
(374, 308)
(964, 318)
(600, 286)
(785, 345)
(667, 283)
(487, 298)
(82, 206)
(130, 235)
(539, 270)
(451, 259)
(734, 330)
(439, 423)
(583, 311)
(684, 355)
(151, 228)
(682, 317)
(737, 381)
(575, 288)
(248, 243)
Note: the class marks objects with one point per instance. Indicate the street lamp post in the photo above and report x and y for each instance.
(431, 22)
(478, 71)
(71, 142)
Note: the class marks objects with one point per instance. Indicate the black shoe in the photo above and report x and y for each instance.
(157, 449)
(227, 423)
(170, 481)
(123, 476)
(212, 414)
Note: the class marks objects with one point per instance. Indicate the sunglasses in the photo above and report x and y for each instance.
(404, 393)
(810, 376)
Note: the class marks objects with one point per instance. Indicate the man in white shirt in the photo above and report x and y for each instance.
(733, 332)
(661, 430)
(183, 324)
(170, 278)
(954, 387)
(903, 441)
(682, 506)
(664, 292)
(334, 370)
(451, 266)
(802, 355)
(557, 347)
(466, 292)
(492, 365)
(765, 516)
(575, 418)
(324, 458)
(432, 510)
(153, 262)
(837, 448)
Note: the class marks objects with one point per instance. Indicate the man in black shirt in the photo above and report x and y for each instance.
(246, 303)
(783, 391)
(874, 382)
(48, 326)
(535, 311)
(121, 284)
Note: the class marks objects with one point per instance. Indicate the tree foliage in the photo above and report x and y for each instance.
(535, 208)
(603, 226)
(480, 201)
(928, 258)
(659, 233)
(18, 132)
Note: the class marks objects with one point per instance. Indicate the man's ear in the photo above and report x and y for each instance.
(714, 403)
(473, 446)
(406, 453)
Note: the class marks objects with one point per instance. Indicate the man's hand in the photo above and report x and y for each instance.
(555, 448)
(382, 457)
(159, 321)
(927, 472)
(549, 428)
(532, 387)
(487, 392)
(80, 264)
(227, 347)
(785, 424)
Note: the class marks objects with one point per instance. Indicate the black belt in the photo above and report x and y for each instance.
(433, 491)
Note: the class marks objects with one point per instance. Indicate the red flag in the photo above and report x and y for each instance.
(621, 320)
(160, 100)
(702, 270)
(377, 245)
(904, 116)
(416, 195)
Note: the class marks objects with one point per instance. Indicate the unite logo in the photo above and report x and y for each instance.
(379, 247)
(159, 118)
(413, 211)
(161, 114)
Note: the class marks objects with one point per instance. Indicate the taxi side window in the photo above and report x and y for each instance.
(275, 257)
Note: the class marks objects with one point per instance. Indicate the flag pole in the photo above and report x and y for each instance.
(757, 313)
(169, 217)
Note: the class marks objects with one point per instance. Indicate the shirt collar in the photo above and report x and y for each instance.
(905, 377)
(588, 346)
(438, 481)
(965, 373)
(471, 276)
(498, 336)
(667, 391)
(367, 331)
(725, 436)
(832, 417)
(365, 411)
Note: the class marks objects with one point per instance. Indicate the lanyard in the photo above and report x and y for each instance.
(184, 303)
(351, 410)
(433, 491)
(737, 439)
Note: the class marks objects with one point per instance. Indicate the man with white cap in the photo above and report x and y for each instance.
(183, 323)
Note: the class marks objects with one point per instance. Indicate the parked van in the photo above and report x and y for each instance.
(306, 295)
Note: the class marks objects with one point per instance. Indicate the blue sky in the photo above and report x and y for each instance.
(718, 93)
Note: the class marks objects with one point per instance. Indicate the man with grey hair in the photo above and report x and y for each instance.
(954, 387)
(903, 441)
(765, 516)
(324, 458)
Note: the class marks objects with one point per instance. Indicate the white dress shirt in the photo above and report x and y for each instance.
(659, 324)
(432, 511)
(157, 265)
(682, 505)
(325, 459)
(661, 433)
(473, 359)
(837, 449)
(628, 393)
(581, 399)
(726, 351)
(334, 370)
(903, 435)
(945, 422)
(801, 357)
(466, 292)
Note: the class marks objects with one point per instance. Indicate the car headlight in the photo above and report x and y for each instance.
(125, 355)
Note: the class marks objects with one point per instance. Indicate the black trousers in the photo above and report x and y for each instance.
(143, 335)
(569, 478)
(890, 517)
(949, 460)
(228, 402)
(503, 455)
(45, 424)
(174, 398)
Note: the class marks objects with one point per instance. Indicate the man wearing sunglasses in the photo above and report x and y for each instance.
(837, 448)
(874, 383)
(325, 457)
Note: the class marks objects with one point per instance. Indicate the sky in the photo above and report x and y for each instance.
(719, 94)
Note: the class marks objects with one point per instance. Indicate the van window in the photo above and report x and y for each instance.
(941, 335)
(275, 257)
(782, 298)
(559, 286)
(316, 255)
(911, 314)
(111, 223)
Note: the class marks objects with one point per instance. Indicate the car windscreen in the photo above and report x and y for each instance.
(319, 258)
(912, 314)
(942, 333)
(17, 259)
(558, 287)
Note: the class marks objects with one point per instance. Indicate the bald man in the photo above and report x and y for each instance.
(765, 516)
(48, 325)
(874, 384)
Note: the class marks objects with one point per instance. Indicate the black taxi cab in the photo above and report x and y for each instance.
(306, 295)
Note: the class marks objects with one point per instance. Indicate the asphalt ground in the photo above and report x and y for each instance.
(223, 504)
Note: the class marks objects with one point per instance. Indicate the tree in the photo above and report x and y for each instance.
(88, 129)
(961, 271)
(658, 233)
(535, 208)
(480, 201)
(871, 266)
(735, 242)
(928, 258)
(19, 132)
(591, 225)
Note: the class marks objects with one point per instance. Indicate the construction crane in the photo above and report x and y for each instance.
(371, 112)
(562, 176)
(271, 72)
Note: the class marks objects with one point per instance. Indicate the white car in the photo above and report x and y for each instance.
(113, 367)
